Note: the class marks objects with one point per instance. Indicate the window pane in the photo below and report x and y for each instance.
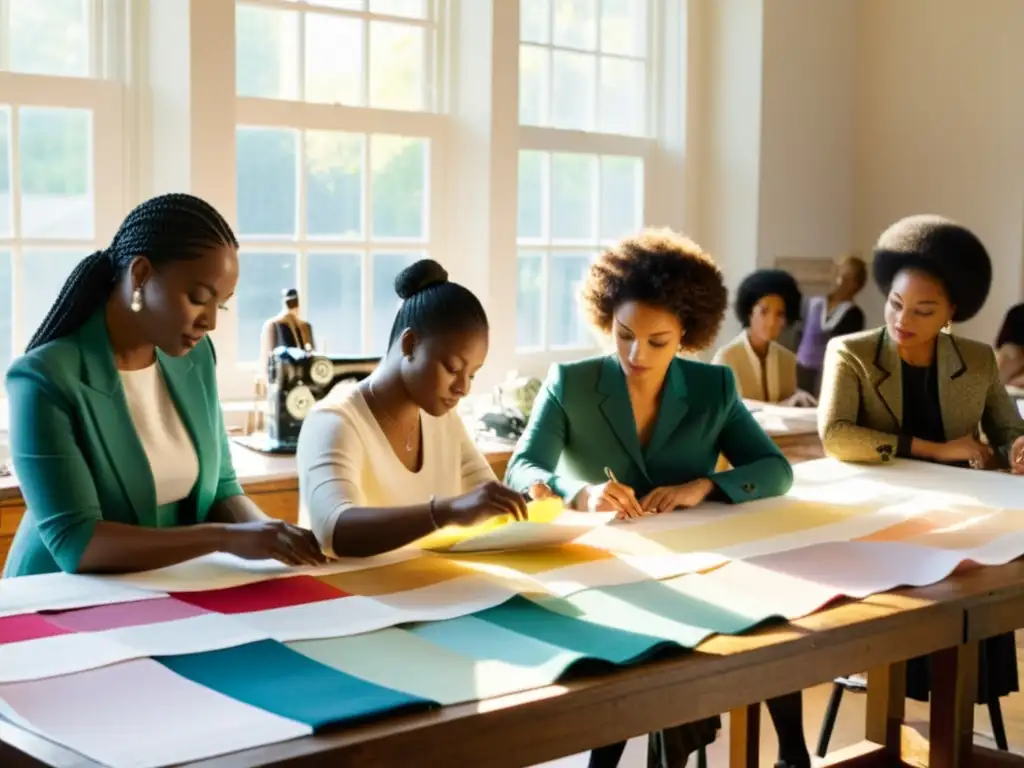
(624, 27)
(267, 171)
(532, 197)
(622, 197)
(414, 9)
(385, 301)
(55, 152)
(266, 52)
(566, 327)
(573, 82)
(575, 23)
(535, 21)
(534, 84)
(334, 59)
(622, 103)
(6, 228)
(264, 276)
(530, 300)
(573, 190)
(334, 184)
(397, 66)
(6, 311)
(399, 187)
(335, 305)
(345, 5)
(43, 275)
(49, 37)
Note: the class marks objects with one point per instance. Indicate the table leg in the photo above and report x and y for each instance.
(954, 688)
(745, 736)
(883, 721)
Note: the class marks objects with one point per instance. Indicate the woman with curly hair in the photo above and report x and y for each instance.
(639, 431)
(767, 300)
(910, 390)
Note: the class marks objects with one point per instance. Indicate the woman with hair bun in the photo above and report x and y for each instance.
(389, 461)
(767, 300)
(911, 390)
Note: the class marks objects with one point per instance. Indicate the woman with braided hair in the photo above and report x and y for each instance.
(117, 435)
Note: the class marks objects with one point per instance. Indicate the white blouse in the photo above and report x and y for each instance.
(345, 460)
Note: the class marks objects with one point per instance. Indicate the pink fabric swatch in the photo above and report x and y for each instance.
(118, 615)
(28, 626)
(139, 713)
(263, 595)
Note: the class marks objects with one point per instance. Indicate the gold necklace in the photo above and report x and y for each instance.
(386, 415)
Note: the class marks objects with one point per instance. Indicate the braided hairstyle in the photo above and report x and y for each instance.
(431, 304)
(173, 227)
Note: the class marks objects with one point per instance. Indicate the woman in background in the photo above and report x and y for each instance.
(116, 430)
(389, 461)
(639, 431)
(827, 317)
(910, 390)
(1010, 348)
(766, 301)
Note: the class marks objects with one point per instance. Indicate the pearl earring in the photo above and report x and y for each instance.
(136, 304)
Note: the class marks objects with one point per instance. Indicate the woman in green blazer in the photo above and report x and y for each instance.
(641, 431)
(117, 435)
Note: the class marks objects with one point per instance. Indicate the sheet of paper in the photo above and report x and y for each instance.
(139, 714)
(63, 591)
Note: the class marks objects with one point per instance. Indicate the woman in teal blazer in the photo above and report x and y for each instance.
(641, 431)
(117, 435)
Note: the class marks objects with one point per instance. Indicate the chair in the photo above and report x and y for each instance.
(857, 684)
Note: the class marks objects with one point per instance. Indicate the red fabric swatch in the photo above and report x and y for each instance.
(29, 626)
(132, 614)
(263, 595)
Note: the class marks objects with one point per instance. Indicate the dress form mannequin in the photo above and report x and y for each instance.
(285, 329)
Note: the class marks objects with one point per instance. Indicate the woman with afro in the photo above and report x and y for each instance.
(767, 300)
(910, 390)
(639, 431)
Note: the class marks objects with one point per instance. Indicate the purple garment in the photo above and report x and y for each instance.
(811, 352)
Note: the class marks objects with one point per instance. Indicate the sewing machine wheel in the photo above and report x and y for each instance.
(321, 371)
(298, 402)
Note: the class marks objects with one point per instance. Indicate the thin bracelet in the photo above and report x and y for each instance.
(430, 511)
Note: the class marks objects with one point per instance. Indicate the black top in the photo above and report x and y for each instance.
(922, 413)
(852, 322)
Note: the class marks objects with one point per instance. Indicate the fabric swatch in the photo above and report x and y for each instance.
(63, 591)
(118, 615)
(410, 574)
(29, 626)
(262, 595)
(275, 678)
(141, 715)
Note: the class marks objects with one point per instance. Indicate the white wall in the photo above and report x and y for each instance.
(940, 128)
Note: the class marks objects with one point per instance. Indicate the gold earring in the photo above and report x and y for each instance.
(137, 303)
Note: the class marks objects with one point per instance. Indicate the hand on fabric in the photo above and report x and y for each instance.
(612, 496)
(967, 448)
(677, 496)
(1017, 456)
(800, 399)
(482, 503)
(272, 540)
(539, 491)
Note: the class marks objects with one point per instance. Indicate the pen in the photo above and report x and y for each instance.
(610, 475)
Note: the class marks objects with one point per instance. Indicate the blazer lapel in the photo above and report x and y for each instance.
(113, 421)
(888, 379)
(950, 368)
(618, 410)
(671, 409)
(189, 396)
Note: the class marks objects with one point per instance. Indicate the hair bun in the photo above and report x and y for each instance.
(418, 277)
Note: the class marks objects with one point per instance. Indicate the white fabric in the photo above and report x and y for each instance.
(172, 456)
(345, 460)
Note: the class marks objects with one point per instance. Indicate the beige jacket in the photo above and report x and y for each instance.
(861, 405)
(780, 366)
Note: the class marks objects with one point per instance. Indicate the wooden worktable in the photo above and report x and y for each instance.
(727, 673)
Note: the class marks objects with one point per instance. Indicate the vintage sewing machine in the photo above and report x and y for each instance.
(296, 380)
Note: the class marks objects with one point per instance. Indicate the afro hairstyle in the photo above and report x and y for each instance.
(768, 282)
(947, 251)
(664, 269)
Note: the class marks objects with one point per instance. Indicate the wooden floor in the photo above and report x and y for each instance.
(849, 727)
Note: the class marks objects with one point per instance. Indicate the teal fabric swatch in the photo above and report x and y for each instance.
(272, 677)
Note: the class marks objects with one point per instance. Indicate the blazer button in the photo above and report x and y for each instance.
(748, 487)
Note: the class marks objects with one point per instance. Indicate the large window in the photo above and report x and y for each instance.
(584, 69)
(336, 140)
(61, 152)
